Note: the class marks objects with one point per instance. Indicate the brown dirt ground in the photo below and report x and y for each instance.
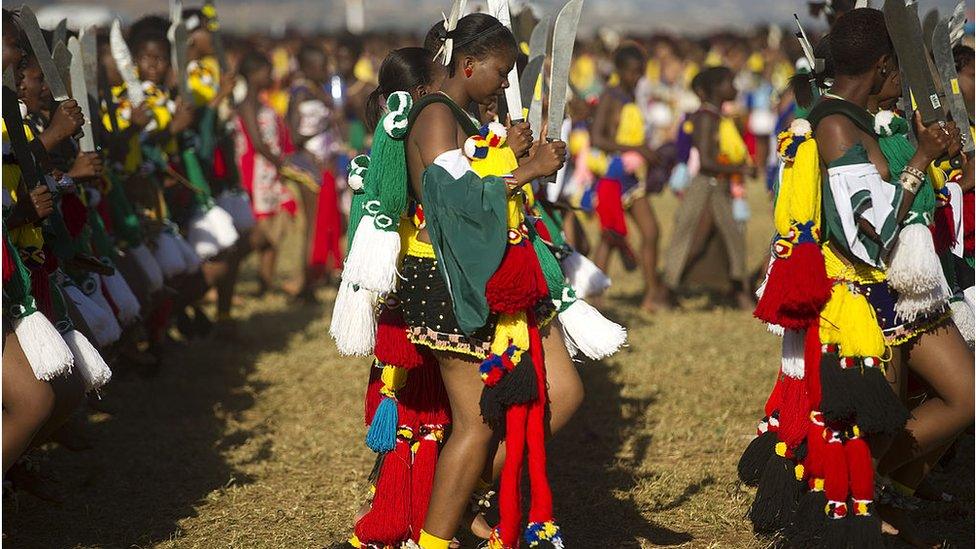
(259, 443)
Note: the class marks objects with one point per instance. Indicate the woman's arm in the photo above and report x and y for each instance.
(605, 122)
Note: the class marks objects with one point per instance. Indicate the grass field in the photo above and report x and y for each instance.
(259, 443)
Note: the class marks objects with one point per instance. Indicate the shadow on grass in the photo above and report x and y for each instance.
(162, 451)
(592, 477)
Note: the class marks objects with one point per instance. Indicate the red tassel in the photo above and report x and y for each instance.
(108, 297)
(518, 283)
(425, 394)
(858, 456)
(41, 290)
(813, 463)
(392, 345)
(542, 230)
(836, 477)
(373, 395)
(74, 213)
(943, 229)
(509, 493)
(540, 508)
(8, 264)
(793, 412)
(796, 290)
(388, 519)
(775, 396)
(422, 477)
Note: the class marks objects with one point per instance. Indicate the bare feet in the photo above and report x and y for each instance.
(659, 299)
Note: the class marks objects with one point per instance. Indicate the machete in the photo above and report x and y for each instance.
(513, 97)
(28, 23)
(563, 40)
(79, 91)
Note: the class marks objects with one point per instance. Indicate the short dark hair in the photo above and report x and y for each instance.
(708, 79)
(963, 56)
(252, 62)
(857, 40)
(629, 52)
(151, 28)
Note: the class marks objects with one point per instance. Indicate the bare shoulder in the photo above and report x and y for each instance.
(434, 131)
(836, 134)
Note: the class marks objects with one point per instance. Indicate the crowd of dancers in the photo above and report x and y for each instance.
(143, 167)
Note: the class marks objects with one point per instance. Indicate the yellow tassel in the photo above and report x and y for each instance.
(801, 203)
(430, 541)
(393, 378)
(730, 143)
(511, 329)
(849, 321)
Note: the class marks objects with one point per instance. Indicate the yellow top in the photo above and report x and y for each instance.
(630, 131)
(29, 235)
(203, 78)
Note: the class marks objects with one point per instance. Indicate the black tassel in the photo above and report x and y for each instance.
(837, 397)
(865, 531)
(755, 456)
(807, 527)
(492, 410)
(374, 474)
(878, 408)
(519, 385)
(776, 496)
(836, 534)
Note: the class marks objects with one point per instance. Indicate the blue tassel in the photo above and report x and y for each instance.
(381, 436)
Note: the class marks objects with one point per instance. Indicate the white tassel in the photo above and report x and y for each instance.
(792, 361)
(103, 324)
(571, 347)
(591, 332)
(47, 353)
(372, 259)
(190, 258)
(149, 266)
(353, 325)
(89, 362)
(969, 294)
(584, 276)
(914, 268)
(909, 306)
(962, 315)
(122, 296)
(775, 329)
(168, 256)
(211, 232)
(98, 298)
(238, 205)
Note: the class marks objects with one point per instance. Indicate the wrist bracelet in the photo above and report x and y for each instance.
(909, 181)
(915, 171)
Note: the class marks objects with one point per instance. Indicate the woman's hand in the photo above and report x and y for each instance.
(65, 122)
(182, 118)
(519, 137)
(86, 165)
(934, 140)
(546, 158)
(140, 116)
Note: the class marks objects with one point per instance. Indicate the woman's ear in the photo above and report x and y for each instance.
(467, 66)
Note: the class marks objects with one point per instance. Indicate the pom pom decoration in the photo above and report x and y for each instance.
(584, 276)
(357, 172)
(353, 324)
(149, 266)
(48, 354)
(92, 367)
(238, 205)
(211, 232)
(168, 255)
(126, 301)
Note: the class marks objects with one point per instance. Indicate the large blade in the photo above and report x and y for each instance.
(957, 23)
(513, 96)
(62, 61)
(928, 26)
(180, 59)
(88, 45)
(816, 65)
(961, 112)
(123, 59)
(540, 37)
(8, 78)
(60, 34)
(530, 78)
(906, 34)
(28, 23)
(563, 40)
(79, 90)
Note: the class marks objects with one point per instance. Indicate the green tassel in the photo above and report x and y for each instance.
(125, 223)
(17, 299)
(100, 239)
(194, 173)
(207, 134)
(553, 221)
(386, 179)
(561, 293)
(898, 150)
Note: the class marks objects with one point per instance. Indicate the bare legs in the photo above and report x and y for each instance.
(27, 402)
(643, 215)
(463, 456)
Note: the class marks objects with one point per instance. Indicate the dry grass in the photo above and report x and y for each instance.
(258, 444)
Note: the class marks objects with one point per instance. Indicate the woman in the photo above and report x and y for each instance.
(262, 142)
(833, 409)
(618, 130)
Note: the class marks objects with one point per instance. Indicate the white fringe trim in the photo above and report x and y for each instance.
(962, 315)
(372, 259)
(190, 258)
(92, 367)
(47, 353)
(589, 331)
(792, 360)
(122, 296)
(914, 268)
(353, 325)
(149, 266)
(584, 276)
(211, 232)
